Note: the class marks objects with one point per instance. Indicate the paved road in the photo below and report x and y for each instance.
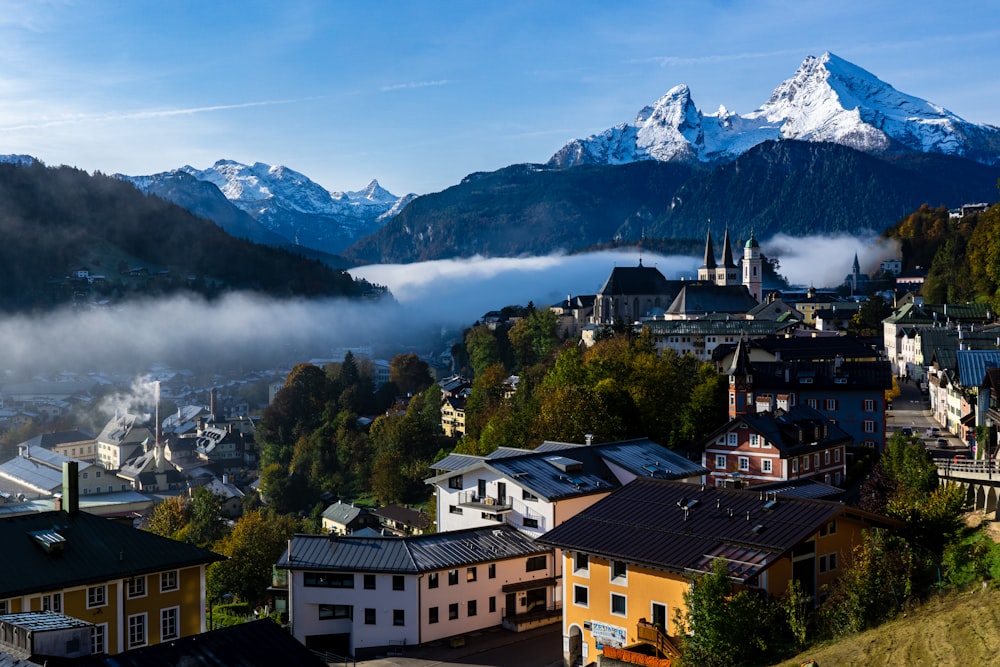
(494, 647)
(911, 409)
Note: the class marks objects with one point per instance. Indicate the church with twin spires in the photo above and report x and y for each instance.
(750, 275)
(633, 293)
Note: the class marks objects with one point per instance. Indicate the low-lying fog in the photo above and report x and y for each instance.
(435, 299)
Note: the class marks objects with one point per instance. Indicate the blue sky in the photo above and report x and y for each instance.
(420, 94)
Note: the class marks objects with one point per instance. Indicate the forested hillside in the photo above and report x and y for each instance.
(54, 221)
(961, 256)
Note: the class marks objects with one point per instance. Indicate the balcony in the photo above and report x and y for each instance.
(648, 633)
(473, 500)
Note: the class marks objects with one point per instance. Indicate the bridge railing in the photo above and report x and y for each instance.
(960, 466)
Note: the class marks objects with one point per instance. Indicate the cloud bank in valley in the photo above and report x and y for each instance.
(434, 300)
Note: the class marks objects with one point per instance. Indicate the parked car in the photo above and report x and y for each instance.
(942, 442)
(907, 431)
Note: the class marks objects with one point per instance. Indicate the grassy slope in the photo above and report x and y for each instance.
(954, 629)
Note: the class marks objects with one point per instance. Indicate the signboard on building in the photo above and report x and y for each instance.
(607, 635)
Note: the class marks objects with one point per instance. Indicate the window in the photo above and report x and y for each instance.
(432, 615)
(830, 404)
(528, 495)
(370, 582)
(52, 602)
(399, 617)
(529, 522)
(370, 615)
(97, 474)
(754, 440)
(732, 439)
(805, 462)
(452, 611)
(455, 482)
(471, 608)
(826, 457)
(432, 580)
(83, 475)
(869, 425)
(454, 509)
(97, 635)
(328, 611)
(580, 595)
(618, 604)
(327, 580)
(619, 571)
(836, 455)
(828, 562)
(720, 461)
(535, 563)
(493, 604)
(137, 587)
(168, 623)
(470, 574)
(744, 463)
(765, 465)
(869, 405)
(398, 583)
(812, 403)
(4, 608)
(795, 465)
(96, 596)
(492, 570)
(452, 577)
(581, 563)
(816, 460)
(137, 630)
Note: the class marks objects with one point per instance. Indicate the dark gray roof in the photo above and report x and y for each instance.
(703, 297)
(256, 644)
(801, 488)
(628, 280)
(95, 550)
(407, 555)
(644, 523)
(50, 440)
(455, 462)
(798, 430)
(555, 471)
(717, 327)
(343, 513)
(843, 376)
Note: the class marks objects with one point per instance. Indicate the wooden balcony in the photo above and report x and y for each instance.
(650, 634)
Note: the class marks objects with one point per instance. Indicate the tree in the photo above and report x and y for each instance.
(482, 348)
(534, 338)
(169, 518)
(868, 320)
(410, 373)
(253, 546)
(720, 628)
(205, 512)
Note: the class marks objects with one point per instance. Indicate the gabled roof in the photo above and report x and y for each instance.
(555, 471)
(95, 550)
(38, 469)
(645, 523)
(716, 327)
(50, 440)
(407, 555)
(343, 513)
(813, 375)
(704, 297)
(972, 365)
(261, 642)
(406, 515)
(795, 431)
(629, 280)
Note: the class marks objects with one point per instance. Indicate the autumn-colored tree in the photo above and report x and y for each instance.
(169, 518)
(252, 547)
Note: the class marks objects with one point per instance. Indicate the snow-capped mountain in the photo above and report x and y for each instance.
(290, 205)
(828, 99)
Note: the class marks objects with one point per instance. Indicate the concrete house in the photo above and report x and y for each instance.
(362, 595)
(626, 572)
(136, 588)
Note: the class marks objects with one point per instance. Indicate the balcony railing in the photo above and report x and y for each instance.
(473, 500)
(651, 634)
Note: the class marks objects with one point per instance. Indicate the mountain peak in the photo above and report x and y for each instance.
(827, 99)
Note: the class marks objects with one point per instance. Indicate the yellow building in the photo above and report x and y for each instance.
(628, 559)
(137, 588)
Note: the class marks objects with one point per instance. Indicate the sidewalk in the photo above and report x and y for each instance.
(543, 644)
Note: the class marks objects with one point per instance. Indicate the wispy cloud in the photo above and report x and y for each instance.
(669, 61)
(410, 85)
(116, 116)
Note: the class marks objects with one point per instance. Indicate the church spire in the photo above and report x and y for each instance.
(709, 262)
(727, 252)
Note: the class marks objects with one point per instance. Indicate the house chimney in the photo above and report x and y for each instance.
(71, 487)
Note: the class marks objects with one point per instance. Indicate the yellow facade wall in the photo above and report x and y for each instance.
(118, 606)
